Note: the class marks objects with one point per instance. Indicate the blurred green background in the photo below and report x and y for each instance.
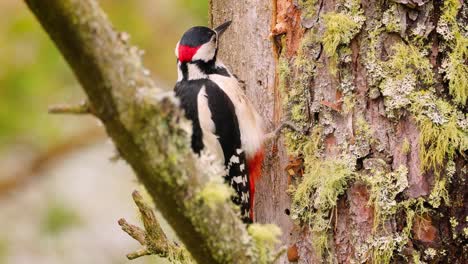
(33, 75)
(60, 196)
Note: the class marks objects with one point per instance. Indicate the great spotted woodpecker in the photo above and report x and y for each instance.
(224, 121)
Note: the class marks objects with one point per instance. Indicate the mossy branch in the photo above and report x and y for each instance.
(152, 238)
(147, 128)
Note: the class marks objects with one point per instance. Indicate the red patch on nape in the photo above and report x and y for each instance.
(186, 53)
(255, 172)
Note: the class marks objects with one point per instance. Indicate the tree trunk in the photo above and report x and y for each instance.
(381, 89)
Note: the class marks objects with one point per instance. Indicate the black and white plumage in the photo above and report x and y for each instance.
(224, 121)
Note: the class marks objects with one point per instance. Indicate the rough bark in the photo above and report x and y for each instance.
(147, 128)
(249, 50)
(364, 74)
(255, 67)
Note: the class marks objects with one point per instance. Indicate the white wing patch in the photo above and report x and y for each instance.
(242, 167)
(250, 122)
(245, 197)
(239, 180)
(234, 159)
(210, 140)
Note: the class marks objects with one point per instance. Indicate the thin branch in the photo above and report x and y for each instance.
(152, 238)
(275, 133)
(134, 231)
(80, 109)
(139, 253)
(152, 227)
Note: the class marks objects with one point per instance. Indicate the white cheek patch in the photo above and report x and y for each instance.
(194, 73)
(206, 52)
(176, 51)
(180, 74)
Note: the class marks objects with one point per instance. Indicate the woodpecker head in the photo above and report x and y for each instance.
(200, 43)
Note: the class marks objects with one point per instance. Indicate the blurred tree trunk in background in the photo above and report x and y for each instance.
(381, 175)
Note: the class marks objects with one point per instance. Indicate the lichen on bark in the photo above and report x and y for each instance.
(365, 89)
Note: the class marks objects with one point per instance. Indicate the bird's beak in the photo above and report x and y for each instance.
(221, 28)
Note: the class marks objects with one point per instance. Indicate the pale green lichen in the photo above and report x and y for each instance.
(344, 55)
(180, 255)
(340, 29)
(347, 82)
(417, 258)
(404, 71)
(455, 68)
(209, 163)
(392, 19)
(349, 101)
(456, 71)
(431, 253)
(450, 170)
(439, 193)
(384, 243)
(214, 199)
(297, 112)
(440, 134)
(284, 72)
(317, 194)
(454, 224)
(362, 137)
(384, 187)
(307, 9)
(294, 82)
(407, 71)
(150, 122)
(215, 193)
(383, 247)
(265, 237)
(372, 61)
(304, 69)
(405, 146)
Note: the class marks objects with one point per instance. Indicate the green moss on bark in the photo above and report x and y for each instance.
(317, 194)
(294, 83)
(384, 187)
(308, 9)
(455, 66)
(406, 71)
(265, 238)
(443, 130)
(340, 29)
